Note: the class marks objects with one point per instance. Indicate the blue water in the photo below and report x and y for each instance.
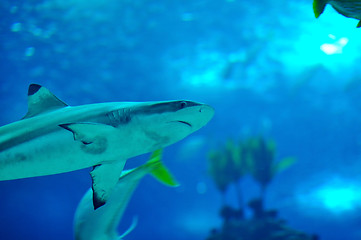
(267, 67)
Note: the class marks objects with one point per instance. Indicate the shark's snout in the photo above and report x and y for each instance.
(207, 112)
(201, 115)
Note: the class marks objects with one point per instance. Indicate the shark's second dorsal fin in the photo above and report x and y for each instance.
(41, 100)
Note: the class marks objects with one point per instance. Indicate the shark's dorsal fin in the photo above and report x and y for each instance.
(41, 100)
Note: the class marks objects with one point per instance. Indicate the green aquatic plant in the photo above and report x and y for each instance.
(254, 156)
(263, 166)
(219, 166)
(227, 166)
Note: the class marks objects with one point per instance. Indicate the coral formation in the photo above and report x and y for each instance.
(267, 227)
(254, 156)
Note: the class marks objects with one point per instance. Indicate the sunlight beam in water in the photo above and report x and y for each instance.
(335, 47)
(331, 41)
(338, 199)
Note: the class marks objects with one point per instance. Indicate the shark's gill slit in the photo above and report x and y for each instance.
(117, 117)
(183, 104)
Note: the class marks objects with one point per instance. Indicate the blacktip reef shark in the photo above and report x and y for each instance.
(55, 138)
(102, 223)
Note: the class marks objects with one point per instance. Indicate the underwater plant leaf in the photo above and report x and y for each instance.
(283, 165)
(261, 155)
(238, 164)
(271, 147)
(218, 170)
(233, 150)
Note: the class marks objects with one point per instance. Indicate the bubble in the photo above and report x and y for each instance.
(36, 31)
(16, 27)
(29, 51)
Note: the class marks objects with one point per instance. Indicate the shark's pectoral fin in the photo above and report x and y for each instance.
(105, 177)
(88, 133)
(94, 139)
(94, 136)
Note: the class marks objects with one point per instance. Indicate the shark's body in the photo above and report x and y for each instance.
(56, 138)
(102, 223)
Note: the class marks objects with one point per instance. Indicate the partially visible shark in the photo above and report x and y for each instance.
(55, 138)
(102, 223)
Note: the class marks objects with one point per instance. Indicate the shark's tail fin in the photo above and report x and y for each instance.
(159, 171)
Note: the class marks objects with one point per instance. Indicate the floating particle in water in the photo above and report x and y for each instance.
(16, 27)
(29, 51)
(36, 31)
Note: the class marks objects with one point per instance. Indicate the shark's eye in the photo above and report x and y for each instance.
(183, 104)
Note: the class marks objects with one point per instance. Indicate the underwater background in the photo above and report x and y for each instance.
(269, 69)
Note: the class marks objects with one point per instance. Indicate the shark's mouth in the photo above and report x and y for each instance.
(186, 123)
